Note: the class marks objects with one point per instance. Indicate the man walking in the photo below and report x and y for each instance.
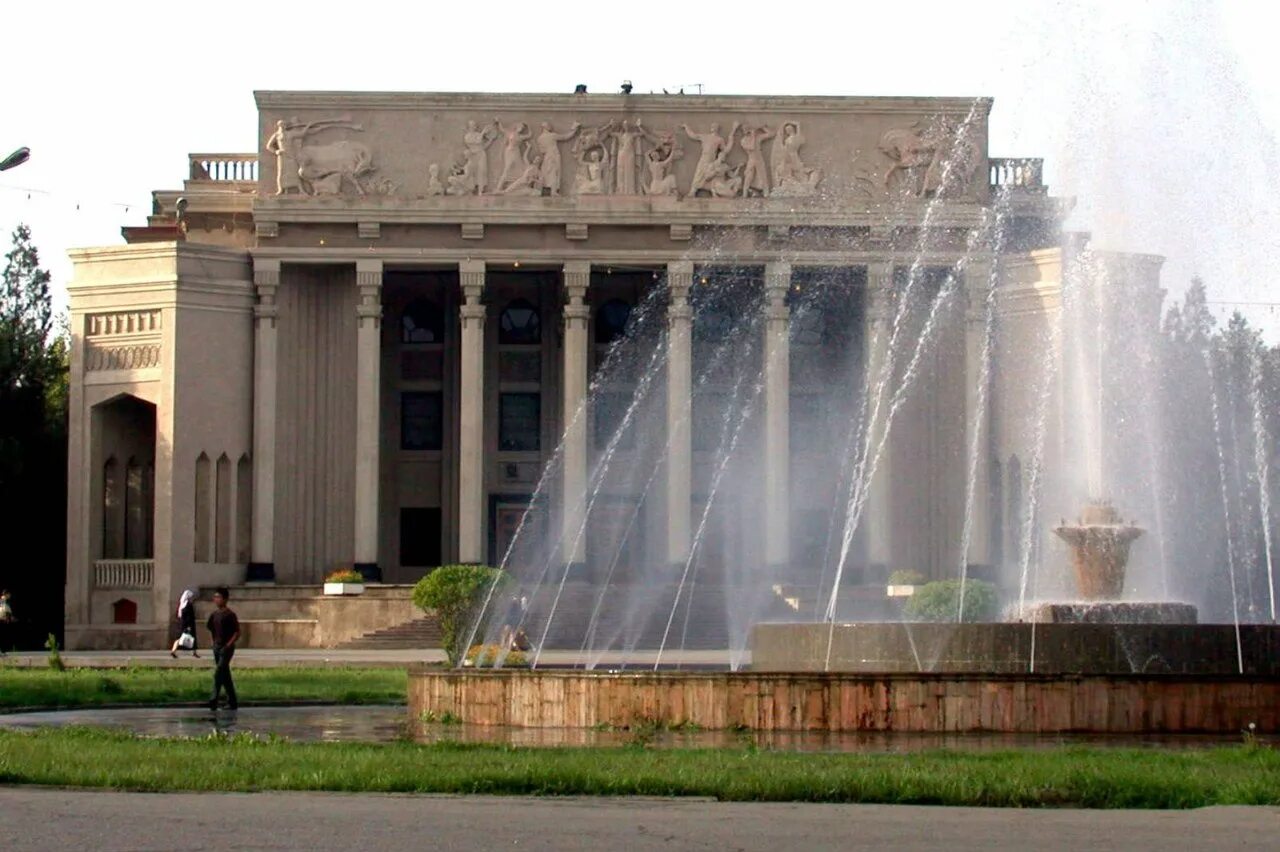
(225, 629)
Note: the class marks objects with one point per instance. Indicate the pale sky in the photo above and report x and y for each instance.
(1161, 118)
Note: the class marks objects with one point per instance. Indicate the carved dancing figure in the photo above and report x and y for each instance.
(627, 158)
(316, 169)
(459, 181)
(476, 144)
(724, 181)
(660, 182)
(512, 158)
(434, 186)
(549, 152)
(755, 179)
(530, 180)
(713, 144)
(593, 165)
(790, 177)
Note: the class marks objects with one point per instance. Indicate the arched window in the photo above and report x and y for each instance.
(612, 321)
(520, 323)
(422, 322)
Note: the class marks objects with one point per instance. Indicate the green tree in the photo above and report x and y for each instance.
(33, 437)
(457, 593)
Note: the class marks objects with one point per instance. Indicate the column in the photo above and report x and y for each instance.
(577, 277)
(368, 403)
(679, 411)
(777, 392)
(977, 385)
(266, 281)
(879, 325)
(471, 415)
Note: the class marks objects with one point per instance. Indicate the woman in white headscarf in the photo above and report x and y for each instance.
(187, 619)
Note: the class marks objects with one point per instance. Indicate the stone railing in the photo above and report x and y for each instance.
(123, 573)
(122, 323)
(1022, 173)
(223, 168)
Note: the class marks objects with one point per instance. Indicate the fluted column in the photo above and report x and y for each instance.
(777, 392)
(977, 410)
(577, 277)
(471, 415)
(879, 511)
(679, 411)
(368, 386)
(266, 281)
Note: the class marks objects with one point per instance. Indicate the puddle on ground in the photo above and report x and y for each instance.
(389, 723)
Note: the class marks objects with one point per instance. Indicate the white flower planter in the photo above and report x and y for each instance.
(344, 588)
(900, 591)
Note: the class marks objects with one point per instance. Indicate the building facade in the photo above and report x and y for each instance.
(372, 342)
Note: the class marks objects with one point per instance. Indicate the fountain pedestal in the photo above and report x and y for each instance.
(1099, 550)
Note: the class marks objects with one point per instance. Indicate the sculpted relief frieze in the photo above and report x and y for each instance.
(872, 159)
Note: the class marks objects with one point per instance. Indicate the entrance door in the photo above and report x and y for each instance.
(517, 539)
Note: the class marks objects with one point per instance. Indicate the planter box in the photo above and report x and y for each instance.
(900, 591)
(344, 588)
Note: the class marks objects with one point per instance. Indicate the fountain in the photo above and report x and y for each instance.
(1099, 550)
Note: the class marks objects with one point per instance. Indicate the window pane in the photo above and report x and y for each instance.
(520, 323)
(612, 320)
(518, 422)
(708, 426)
(421, 421)
(422, 322)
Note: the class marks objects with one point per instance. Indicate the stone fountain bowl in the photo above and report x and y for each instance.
(1099, 555)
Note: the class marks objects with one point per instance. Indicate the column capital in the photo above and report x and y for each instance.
(577, 278)
(369, 282)
(266, 281)
(679, 282)
(471, 279)
(880, 293)
(368, 272)
(977, 288)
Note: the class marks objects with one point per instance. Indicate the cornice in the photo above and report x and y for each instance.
(634, 103)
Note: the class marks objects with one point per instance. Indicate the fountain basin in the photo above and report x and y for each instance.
(1058, 648)
(915, 702)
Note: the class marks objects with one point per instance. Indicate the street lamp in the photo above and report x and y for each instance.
(17, 158)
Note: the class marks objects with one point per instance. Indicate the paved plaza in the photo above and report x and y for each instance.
(37, 820)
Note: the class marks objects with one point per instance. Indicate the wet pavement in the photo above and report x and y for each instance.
(389, 723)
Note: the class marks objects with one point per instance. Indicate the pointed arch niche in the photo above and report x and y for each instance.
(124, 457)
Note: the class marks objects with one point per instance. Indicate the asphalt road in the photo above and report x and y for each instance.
(44, 819)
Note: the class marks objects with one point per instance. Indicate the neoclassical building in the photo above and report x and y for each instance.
(362, 344)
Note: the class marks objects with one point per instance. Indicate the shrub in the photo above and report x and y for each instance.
(55, 656)
(487, 656)
(456, 593)
(906, 577)
(345, 575)
(940, 601)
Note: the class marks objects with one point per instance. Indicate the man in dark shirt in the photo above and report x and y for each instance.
(225, 629)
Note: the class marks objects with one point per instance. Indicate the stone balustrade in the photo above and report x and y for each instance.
(123, 573)
(1023, 173)
(222, 168)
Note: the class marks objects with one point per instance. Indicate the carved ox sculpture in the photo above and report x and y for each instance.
(908, 150)
(323, 168)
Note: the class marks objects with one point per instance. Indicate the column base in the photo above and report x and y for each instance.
(370, 571)
(261, 572)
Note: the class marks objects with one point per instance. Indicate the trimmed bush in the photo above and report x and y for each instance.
(940, 601)
(456, 593)
(487, 656)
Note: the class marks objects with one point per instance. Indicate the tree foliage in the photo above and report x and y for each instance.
(457, 593)
(33, 437)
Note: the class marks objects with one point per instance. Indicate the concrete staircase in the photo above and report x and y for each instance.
(423, 632)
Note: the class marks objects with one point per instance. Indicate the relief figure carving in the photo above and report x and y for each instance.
(529, 181)
(627, 139)
(512, 158)
(713, 145)
(755, 179)
(549, 150)
(434, 186)
(317, 169)
(791, 179)
(475, 169)
(937, 161)
(592, 153)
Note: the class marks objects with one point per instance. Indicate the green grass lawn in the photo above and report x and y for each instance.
(20, 687)
(1098, 778)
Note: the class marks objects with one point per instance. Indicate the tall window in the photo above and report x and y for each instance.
(422, 322)
(519, 418)
(419, 537)
(421, 420)
(520, 323)
(612, 320)
(610, 412)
